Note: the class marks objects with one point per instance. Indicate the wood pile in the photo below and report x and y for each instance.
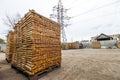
(37, 43)
(74, 45)
(10, 46)
(118, 44)
(96, 44)
(65, 46)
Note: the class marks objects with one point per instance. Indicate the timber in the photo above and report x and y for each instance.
(37, 44)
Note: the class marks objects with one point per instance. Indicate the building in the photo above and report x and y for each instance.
(116, 37)
(107, 41)
(103, 37)
(86, 44)
(2, 47)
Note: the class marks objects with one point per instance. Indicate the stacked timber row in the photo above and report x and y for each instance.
(74, 45)
(96, 44)
(118, 44)
(10, 46)
(65, 46)
(37, 43)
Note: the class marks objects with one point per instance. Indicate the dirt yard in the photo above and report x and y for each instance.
(81, 64)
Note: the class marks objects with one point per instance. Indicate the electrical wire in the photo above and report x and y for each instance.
(94, 9)
(101, 16)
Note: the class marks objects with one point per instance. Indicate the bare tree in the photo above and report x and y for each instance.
(10, 21)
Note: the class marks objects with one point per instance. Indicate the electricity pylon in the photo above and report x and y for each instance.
(60, 15)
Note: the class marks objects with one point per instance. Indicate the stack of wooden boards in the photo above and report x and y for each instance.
(74, 45)
(96, 44)
(37, 43)
(71, 45)
(118, 44)
(64, 46)
(10, 46)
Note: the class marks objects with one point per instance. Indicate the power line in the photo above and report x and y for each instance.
(101, 16)
(91, 10)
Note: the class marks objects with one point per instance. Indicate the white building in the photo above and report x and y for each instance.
(2, 47)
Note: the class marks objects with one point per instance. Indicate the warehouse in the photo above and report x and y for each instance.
(106, 41)
(103, 37)
(109, 37)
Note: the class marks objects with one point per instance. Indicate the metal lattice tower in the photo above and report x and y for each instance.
(60, 15)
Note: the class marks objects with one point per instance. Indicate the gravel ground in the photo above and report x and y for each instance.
(80, 64)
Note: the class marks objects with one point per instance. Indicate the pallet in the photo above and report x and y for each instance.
(37, 75)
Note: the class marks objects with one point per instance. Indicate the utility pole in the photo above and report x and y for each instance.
(60, 15)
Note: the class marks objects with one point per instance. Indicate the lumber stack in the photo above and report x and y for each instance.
(37, 43)
(74, 45)
(71, 45)
(10, 46)
(118, 44)
(96, 44)
(65, 46)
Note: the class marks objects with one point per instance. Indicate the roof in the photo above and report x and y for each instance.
(102, 36)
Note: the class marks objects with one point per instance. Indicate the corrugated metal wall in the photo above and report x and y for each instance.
(104, 44)
(108, 43)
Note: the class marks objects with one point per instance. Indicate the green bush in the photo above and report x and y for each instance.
(2, 41)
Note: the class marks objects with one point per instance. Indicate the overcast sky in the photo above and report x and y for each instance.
(90, 17)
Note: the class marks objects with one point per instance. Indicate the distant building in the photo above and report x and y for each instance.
(103, 37)
(107, 41)
(86, 43)
(116, 37)
(2, 47)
